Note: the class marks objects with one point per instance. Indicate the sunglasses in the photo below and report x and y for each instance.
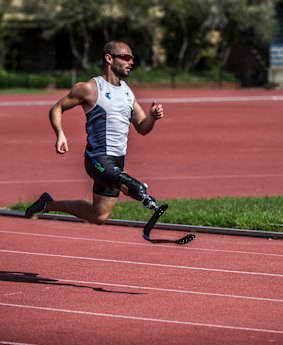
(124, 57)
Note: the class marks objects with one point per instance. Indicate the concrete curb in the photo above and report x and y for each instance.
(162, 226)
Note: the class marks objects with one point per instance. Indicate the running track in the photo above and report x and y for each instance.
(74, 283)
(200, 149)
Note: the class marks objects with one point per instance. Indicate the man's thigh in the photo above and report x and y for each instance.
(104, 171)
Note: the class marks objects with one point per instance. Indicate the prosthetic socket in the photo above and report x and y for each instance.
(137, 190)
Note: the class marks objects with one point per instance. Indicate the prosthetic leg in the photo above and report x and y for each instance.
(138, 191)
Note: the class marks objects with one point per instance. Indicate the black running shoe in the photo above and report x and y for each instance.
(38, 206)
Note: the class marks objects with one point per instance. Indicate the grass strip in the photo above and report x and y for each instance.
(252, 213)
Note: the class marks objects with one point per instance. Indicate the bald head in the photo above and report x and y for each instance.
(116, 47)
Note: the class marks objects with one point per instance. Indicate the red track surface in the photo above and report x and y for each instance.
(72, 283)
(107, 286)
(198, 150)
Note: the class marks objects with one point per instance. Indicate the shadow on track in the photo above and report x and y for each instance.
(34, 278)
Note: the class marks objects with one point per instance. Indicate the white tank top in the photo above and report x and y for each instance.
(108, 122)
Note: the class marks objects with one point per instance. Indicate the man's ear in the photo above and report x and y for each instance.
(108, 58)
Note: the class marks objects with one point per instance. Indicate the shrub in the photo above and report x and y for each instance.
(21, 80)
(38, 81)
(63, 81)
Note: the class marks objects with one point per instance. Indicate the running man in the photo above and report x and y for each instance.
(110, 106)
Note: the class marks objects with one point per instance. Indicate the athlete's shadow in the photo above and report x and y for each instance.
(34, 278)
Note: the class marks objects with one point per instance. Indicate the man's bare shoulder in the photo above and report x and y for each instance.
(85, 93)
(83, 89)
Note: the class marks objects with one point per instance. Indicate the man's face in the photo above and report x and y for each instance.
(123, 61)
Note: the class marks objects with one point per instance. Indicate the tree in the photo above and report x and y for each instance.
(78, 19)
(2, 30)
(138, 28)
(187, 24)
(10, 33)
(250, 21)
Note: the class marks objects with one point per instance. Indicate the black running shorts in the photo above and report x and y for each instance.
(104, 171)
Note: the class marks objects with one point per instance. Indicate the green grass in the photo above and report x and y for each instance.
(242, 213)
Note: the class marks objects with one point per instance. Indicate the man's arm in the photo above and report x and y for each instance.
(145, 123)
(78, 95)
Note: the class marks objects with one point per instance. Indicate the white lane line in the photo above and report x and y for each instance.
(44, 181)
(137, 318)
(13, 343)
(148, 178)
(138, 244)
(210, 99)
(126, 262)
(26, 103)
(12, 293)
(189, 292)
(214, 99)
(150, 288)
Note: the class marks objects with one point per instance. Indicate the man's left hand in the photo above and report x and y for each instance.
(156, 111)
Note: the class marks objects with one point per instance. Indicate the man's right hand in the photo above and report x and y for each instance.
(61, 144)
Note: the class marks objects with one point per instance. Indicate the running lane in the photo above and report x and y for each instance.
(70, 283)
(213, 144)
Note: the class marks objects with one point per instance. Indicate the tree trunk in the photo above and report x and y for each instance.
(86, 46)
(182, 52)
(82, 58)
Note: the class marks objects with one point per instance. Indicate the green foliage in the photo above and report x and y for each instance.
(63, 81)
(21, 80)
(139, 76)
(209, 72)
(148, 75)
(66, 79)
(91, 71)
(38, 81)
(187, 24)
(184, 27)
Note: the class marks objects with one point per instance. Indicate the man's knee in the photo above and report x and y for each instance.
(101, 209)
(98, 220)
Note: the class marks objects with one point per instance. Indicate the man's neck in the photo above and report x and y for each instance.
(112, 79)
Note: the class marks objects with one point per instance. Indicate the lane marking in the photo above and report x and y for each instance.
(153, 178)
(189, 292)
(12, 343)
(44, 181)
(149, 288)
(142, 263)
(13, 294)
(137, 243)
(26, 103)
(209, 99)
(214, 99)
(137, 318)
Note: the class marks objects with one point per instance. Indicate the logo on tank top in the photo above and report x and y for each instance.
(107, 95)
(129, 99)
